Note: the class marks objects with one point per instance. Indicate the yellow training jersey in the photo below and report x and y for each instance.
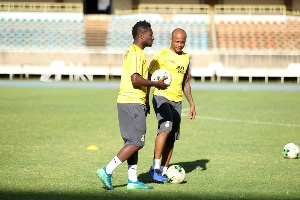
(177, 65)
(134, 61)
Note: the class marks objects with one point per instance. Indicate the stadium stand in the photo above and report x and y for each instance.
(96, 28)
(41, 31)
(196, 26)
(265, 33)
(225, 41)
(40, 7)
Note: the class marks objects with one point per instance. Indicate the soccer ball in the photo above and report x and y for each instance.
(160, 74)
(175, 174)
(291, 150)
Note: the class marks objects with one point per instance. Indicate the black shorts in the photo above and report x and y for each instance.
(168, 114)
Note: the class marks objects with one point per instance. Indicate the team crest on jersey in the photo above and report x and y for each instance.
(167, 124)
(143, 138)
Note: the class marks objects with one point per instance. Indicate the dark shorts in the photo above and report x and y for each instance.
(168, 114)
(132, 122)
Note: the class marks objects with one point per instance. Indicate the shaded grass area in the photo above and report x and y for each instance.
(44, 134)
(131, 195)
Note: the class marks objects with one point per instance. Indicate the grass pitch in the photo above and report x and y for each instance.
(233, 150)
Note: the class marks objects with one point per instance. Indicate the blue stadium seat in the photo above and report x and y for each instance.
(119, 31)
(41, 31)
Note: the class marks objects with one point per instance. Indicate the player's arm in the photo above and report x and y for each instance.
(154, 65)
(148, 91)
(148, 94)
(188, 94)
(136, 79)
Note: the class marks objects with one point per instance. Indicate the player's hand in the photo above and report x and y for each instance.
(192, 114)
(160, 84)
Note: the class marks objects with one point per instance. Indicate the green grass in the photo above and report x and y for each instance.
(44, 133)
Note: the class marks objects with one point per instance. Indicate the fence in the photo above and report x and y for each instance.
(40, 7)
(250, 9)
(169, 9)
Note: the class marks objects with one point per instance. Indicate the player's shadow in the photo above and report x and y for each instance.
(116, 186)
(187, 166)
(193, 165)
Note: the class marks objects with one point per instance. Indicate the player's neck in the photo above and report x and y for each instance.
(179, 53)
(139, 44)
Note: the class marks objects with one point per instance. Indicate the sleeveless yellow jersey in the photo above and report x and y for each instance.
(134, 61)
(177, 65)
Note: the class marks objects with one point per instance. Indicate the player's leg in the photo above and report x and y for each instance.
(166, 156)
(129, 153)
(127, 127)
(160, 142)
(133, 182)
(132, 167)
(164, 117)
(135, 140)
(132, 121)
(159, 151)
(173, 136)
(165, 122)
(155, 170)
(105, 173)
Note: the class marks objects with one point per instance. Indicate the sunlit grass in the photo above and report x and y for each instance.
(45, 132)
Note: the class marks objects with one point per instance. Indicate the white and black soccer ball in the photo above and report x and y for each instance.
(291, 150)
(160, 74)
(175, 174)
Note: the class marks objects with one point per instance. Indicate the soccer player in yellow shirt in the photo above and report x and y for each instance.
(167, 103)
(133, 106)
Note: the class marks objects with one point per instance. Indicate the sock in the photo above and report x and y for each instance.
(163, 170)
(156, 164)
(114, 163)
(132, 176)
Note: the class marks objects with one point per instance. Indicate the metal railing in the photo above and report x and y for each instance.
(152, 8)
(206, 9)
(175, 8)
(293, 12)
(169, 9)
(40, 7)
(250, 9)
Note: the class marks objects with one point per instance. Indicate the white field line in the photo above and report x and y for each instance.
(242, 121)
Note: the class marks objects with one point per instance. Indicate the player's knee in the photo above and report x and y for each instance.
(140, 147)
(137, 147)
(165, 133)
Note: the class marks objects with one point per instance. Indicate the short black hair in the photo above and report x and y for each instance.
(140, 27)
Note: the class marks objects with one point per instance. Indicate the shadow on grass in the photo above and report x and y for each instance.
(193, 165)
(130, 195)
(188, 167)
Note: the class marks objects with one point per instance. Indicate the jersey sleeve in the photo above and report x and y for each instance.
(135, 60)
(154, 64)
